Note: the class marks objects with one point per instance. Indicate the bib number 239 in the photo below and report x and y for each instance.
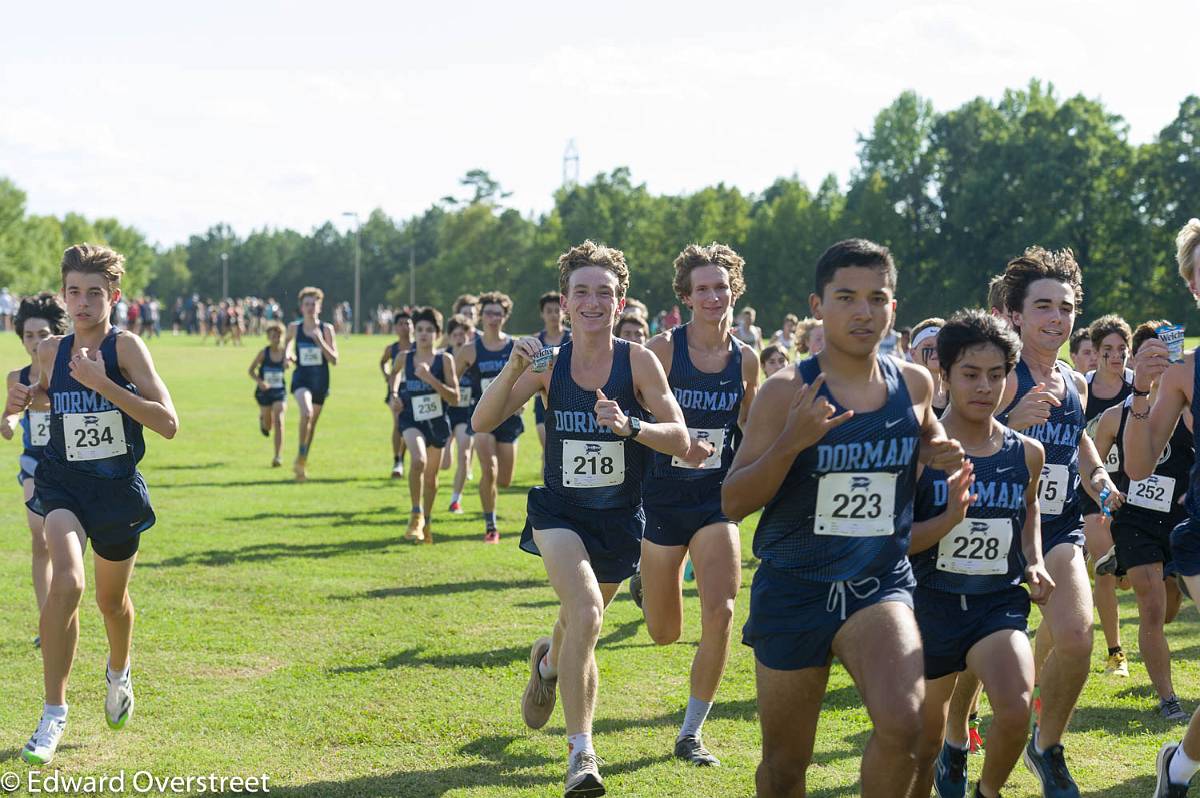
(856, 505)
(593, 464)
(94, 436)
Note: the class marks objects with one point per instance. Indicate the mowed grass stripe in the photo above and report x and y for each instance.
(286, 629)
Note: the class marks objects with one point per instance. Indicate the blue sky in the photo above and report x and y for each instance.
(174, 117)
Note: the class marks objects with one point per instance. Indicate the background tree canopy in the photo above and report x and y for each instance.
(954, 194)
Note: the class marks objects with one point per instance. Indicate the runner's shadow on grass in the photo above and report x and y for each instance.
(282, 482)
(268, 552)
(186, 466)
(489, 658)
(445, 589)
(438, 782)
(1120, 721)
(1139, 785)
(339, 514)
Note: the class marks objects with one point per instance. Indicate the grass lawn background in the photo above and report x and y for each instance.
(286, 629)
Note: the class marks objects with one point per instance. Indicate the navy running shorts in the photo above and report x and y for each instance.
(676, 509)
(268, 398)
(1141, 541)
(509, 431)
(952, 623)
(793, 621)
(113, 512)
(435, 431)
(539, 409)
(1185, 548)
(1072, 536)
(613, 538)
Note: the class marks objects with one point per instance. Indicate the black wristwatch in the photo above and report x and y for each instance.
(635, 427)
(1133, 390)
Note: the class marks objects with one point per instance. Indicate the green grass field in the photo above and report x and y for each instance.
(285, 629)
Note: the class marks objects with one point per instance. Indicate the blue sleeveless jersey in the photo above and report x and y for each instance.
(88, 434)
(541, 336)
(845, 508)
(413, 387)
(1192, 502)
(315, 375)
(983, 554)
(488, 364)
(587, 465)
(1058, 491)
(710, 404)
(35, 426)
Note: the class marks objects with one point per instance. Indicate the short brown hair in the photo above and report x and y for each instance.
(996, 294)
(1144, 332)
(465, 299)
(636, 307)
(274, 326)
(1105, 326)
(695, 256)
(457, 322)
(632, 318)
(1040, 264)
(549, 298)
(804, 329)
(431, 315)
(496, 298)
(1187, 249)
(94, 259)
(590, 253)
(768, 351)
(308, 291)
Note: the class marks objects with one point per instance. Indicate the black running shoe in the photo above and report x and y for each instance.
(690, 749)
(635, 588)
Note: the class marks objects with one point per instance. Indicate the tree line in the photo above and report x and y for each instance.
(955, 194)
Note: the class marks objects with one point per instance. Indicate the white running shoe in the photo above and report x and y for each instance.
(118, 705)
(583, 777)
(44, 742)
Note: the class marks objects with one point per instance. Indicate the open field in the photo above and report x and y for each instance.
(285, 629)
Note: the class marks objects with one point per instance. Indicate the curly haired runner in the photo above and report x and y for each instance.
(587, 521)
(37, 319)
(714, 377)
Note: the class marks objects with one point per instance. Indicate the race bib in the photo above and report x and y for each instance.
(464, 396)
(1052, 489)
(484, 383)
(1112, 463)
(1152, 493)
(311, 356)
(39, 428)
(273, 379)
(94, 436)
(714, 436)
(977, 546)
(593, 464)
(426, 406)
(856, 505)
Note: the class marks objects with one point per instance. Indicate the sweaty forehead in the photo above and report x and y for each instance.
(1050, 289)
(981, 356)
(85, 280)
(592, 277)
(860, 280)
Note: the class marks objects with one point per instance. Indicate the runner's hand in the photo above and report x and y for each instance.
(1151, 360)
(1033, 408)
(1039, 581)
(810, 417)
(959, 497)
(19, 398)
(942, 453)
(609, 414)
(523, 352)
(698, 452)
(87, 368)
(422, 372)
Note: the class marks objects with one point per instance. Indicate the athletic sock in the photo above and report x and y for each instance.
(489, 520)
(578, 744)
(395, 461)
(55, 711)
(545, 669)
(415, 510)
(118, 676)
(304, 450)
(1037, 740)
(1114, 650)
(1181, 769)
(455, 497)
(693, 719)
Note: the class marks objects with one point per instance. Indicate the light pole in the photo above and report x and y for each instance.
(412, 275)
(224, 275)
(356, 312)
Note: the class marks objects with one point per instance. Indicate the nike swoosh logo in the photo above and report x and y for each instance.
(1002, 470)
(892, 423)
(726, 382)
(1015, 615)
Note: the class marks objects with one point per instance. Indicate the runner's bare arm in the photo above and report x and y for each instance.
(9, 423)
(928, 533)
(1036, 576)
(667, 433)
(328, 342)
(512, 388)
(1145, 438)
(151, 406)
(254, 364)
(750, 372)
